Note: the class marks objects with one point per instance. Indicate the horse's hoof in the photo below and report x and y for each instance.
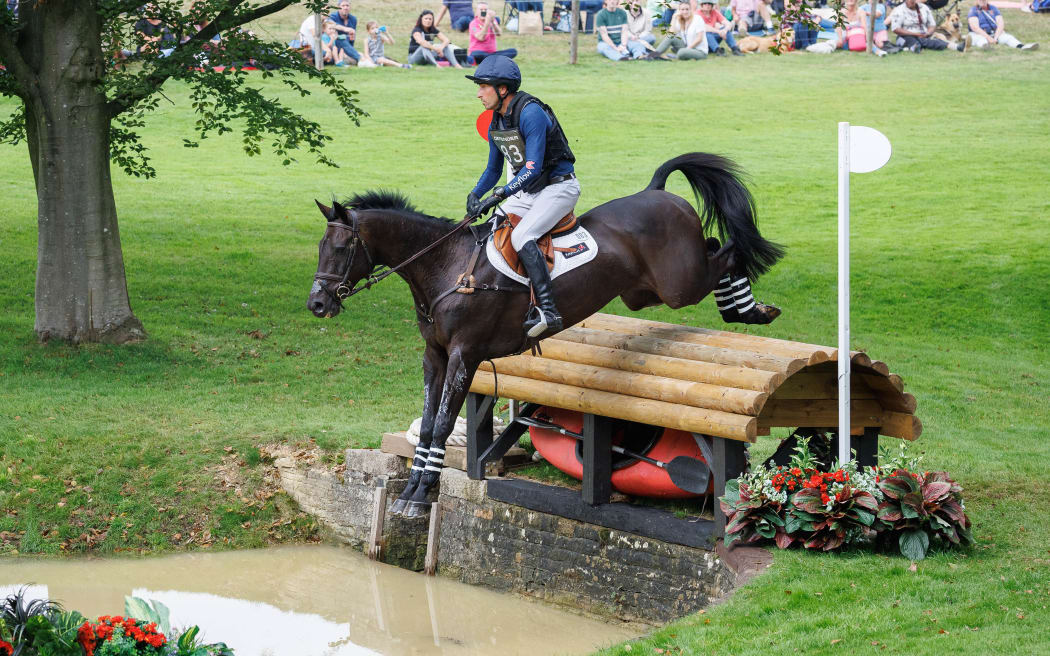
(398, 506)
(416, 509)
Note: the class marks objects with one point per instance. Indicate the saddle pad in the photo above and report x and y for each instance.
(580, 249)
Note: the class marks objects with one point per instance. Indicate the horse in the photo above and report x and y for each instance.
(652, 249)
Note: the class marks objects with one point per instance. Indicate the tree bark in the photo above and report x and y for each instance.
(81, 292)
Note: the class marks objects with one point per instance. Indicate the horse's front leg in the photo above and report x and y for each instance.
(435, 363)
(458, 375)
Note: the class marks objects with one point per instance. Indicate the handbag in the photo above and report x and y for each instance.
(530, 23)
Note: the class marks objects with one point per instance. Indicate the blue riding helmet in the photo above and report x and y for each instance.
(496, 70)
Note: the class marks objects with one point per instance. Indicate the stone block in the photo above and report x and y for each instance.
(373, 462)
(457, 484)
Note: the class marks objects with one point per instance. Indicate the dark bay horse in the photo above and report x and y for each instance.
(651, 249)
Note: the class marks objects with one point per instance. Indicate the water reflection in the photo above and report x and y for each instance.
(303, 601)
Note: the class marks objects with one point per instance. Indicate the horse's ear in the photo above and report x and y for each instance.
(340, 212)
(327, 211)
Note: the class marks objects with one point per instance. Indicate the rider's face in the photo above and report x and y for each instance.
(488, 96)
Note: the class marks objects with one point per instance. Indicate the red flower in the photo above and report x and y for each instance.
(824, 498)
(791, 485)
(8, 648)
(796, 471)
(85, 638)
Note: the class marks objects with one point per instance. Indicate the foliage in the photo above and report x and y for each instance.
(17, 614)
(832, 509)
(920, 507)
(751, 514)
(148, 611)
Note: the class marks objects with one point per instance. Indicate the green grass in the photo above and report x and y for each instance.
(108, 448)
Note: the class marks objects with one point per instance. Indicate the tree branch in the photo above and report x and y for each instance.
(17, 66)
(227, 19)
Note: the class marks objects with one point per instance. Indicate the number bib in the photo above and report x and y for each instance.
(512, 145)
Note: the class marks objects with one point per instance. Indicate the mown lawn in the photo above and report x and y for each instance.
(140, 447)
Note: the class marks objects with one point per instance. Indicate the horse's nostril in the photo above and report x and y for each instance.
(315, 306)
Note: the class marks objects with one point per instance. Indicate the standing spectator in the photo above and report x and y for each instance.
(639, 23)
(718, 29)
(459, 14)
(914, 24)
(346, 28)
(423, 50)
(987, 28)
(686, 35)
(483, 31)
(751, 15)
(374, 54)
(612, 42)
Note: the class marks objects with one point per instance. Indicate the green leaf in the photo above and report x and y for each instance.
(914, 544)
(139, 609)
(863, 516)
(792, 524)
(766, 531)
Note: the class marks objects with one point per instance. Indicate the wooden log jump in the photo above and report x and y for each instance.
(726, 387)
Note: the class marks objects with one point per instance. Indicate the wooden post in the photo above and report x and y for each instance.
(597, 459)
(869, 29)
(318, 52)
(375, 540)
(867, 447)
(433, 539)
(730, 462)
(479, 432)
(574, 31)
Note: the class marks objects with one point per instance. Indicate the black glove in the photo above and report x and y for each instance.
(488, 204)
(473, 204)
(500, 192)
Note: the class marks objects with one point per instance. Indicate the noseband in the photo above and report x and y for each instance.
(343, 290)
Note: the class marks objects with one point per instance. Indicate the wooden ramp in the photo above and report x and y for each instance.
(718, 383)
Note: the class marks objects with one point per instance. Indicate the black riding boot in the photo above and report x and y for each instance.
(544, 317)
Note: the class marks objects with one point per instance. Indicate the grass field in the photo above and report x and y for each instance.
(158, 446)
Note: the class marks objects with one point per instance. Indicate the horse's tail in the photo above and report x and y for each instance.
(724, 200)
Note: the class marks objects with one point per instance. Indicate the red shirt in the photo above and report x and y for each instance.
(713, 18)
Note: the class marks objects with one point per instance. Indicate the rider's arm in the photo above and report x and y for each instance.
(492, 173)
(533, 124)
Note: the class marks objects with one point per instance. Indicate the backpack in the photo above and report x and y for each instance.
(1040, 6)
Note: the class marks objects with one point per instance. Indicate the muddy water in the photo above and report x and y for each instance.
(306, 601)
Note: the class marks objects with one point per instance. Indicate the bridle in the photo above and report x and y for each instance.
(343, 290)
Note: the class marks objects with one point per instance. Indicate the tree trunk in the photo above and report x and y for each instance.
(81, 293)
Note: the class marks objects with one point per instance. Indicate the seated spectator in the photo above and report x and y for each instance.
(987, 28)
(913, 23)
(686, 35)
(798, 29)
(459, 14)
(331, 53)
(483, 31)
(880, 34)
(374, 54)
(345, 25)
(639, 23)
(718, 29)
(423, 50)
(155, 35)
(751, 15)
(612, 41)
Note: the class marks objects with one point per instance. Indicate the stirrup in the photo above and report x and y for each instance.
(536, 323)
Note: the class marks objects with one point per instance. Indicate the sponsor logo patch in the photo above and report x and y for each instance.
(578, 249)
(530, 165)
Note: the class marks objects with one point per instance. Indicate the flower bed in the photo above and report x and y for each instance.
(41, 627)
(890, 506)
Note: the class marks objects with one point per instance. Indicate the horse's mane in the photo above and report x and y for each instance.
(388, 199)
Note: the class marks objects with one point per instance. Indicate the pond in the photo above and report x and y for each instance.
(315, 600)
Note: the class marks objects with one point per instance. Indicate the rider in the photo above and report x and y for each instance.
(525, 132)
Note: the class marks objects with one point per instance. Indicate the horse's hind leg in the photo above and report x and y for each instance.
(733, 294)
(434, 366)
(457, 382)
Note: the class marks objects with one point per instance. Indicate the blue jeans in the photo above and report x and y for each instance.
(462, 23)
(348, 48)
(635, 49)
(523, 5)
(804, 36)
(714, 41)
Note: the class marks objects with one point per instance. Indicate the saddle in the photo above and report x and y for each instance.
(501, 239)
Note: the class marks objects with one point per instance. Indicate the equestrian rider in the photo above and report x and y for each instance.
(525, 132)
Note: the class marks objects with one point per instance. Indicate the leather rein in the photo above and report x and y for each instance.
(343, 290)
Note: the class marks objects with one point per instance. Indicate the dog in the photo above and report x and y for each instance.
(949, 30)
(757, 43)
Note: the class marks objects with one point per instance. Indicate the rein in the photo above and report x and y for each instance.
(343, 290)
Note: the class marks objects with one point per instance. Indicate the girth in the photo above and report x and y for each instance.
(501, 239)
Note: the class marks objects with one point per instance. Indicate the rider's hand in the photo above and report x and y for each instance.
(500, 192)
(473, 204)
(488, 204)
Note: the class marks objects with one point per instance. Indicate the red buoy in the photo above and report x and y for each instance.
(630, 476)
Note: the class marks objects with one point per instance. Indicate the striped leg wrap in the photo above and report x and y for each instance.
(435, 459)
(742, 295)
(420, 459)
(724, 294)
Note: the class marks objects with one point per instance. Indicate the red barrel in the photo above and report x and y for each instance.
(630, 476)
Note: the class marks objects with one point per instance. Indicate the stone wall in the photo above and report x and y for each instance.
(509, 548)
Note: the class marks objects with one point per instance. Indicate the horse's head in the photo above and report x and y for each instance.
(342, 261)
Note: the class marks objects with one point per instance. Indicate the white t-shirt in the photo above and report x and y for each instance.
(306, 31)
(691, 33)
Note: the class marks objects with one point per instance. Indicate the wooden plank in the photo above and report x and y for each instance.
(881, 367)
(812, 353)
(661, 365)
(660, 388)
(698, 335)
(899, 424)
(819, 413)
(717, 355)
(375, 538)
(822, 385)
(455, 456)
(620, 406)
(597, 459)
(643, 521)
(433, 540)
(889, 395)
